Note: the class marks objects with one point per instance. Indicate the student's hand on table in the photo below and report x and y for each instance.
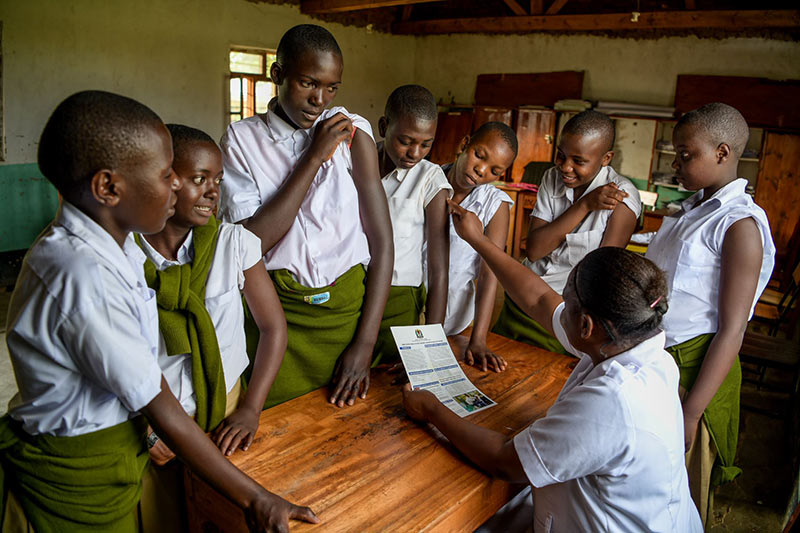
(478, 354)
(415, 402)
(605, 197)
(160, 453)
(238, 430)
(328, 134)
(467, 224)
(270, 512)
(351, 375)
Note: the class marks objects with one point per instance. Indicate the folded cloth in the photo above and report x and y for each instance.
(403, 308)
(515, 324)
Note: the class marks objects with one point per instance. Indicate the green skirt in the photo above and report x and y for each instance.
(321, 324)
(89, 482)
(722, 414)
(402, 309)
(513, 323)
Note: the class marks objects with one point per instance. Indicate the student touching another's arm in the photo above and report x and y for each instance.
(239, 429)
(437, 234)
(351, 377)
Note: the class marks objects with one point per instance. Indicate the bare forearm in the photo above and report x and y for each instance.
(491, 451)
(543, 240)
(715, 368)
(485, 291)
(436, 300)
(379, 279)
(269, 355)
(274, 218)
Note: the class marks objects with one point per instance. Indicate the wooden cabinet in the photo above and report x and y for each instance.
(491, 114)
(535, 129)
(778, 186)
(452, 127)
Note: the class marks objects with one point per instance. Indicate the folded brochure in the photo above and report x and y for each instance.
(431, 365)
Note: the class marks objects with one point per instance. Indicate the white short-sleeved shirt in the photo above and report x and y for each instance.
(237, 250)
(465, 263)
(409, 191)
(552, 200)
(688, 248)
(82, 331)
(326, 237)
(609, 454)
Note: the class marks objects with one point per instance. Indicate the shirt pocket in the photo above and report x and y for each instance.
(581, 243)
(407, 216)
(227, 313)
(697, 270)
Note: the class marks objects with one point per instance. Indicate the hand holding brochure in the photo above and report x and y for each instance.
(431, 365)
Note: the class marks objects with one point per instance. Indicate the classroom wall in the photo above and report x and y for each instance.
(170, 54)
(642, 71)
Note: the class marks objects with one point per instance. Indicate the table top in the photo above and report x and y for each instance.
(369, 467)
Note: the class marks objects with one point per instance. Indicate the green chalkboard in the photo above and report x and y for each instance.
(29, 202)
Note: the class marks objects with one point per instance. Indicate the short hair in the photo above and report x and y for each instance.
(589, 123)
(623, 289)
(304, 38)
(183, 136)
(501, 129)
(723, 123)
(411, 100)
(91, 131)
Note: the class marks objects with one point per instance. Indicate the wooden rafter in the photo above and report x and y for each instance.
(515, 7)
(691, 5)
(675, 20)
(537, 6)
(318, 7)
(555, 7)
(406, 12)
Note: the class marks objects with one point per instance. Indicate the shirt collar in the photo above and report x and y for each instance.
(602, 177)
(185, 253)
(398, 173)
(733, 189)
(127, 260)
(282, 131)
(638, 356)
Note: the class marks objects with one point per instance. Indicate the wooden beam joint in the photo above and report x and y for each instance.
(318, 7)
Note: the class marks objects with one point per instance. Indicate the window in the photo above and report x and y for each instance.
(250, 86)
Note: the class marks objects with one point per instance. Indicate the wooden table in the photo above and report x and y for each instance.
(369, 467)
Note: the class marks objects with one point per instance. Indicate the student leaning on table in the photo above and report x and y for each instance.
(608, 456)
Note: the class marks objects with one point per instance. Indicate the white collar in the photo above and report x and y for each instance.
(185, 253)
(640, 355)
(601, 178)
(733, 189)
(279, 129)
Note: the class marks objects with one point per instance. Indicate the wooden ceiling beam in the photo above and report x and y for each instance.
(515, 7)
(555, 7)
(674, 20)
(691, 5)
(537, 6)
(318, 7)
(406, 12)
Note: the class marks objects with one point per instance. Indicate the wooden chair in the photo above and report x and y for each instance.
(782, 355)
(784, 310)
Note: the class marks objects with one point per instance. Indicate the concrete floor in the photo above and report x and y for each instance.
(756, 501)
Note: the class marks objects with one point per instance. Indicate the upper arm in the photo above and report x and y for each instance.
(262, 299)
(497, 228)
(371, 197)
(536, 223)
(742, 254)
(620, 227)
(437, 227)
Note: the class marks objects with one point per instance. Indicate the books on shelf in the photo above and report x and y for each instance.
(631, 109)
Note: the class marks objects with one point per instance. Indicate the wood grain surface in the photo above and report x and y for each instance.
(369, 467)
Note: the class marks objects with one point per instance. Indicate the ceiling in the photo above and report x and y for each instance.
(637, 18)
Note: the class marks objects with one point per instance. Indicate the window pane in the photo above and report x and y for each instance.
(270, 60)
(247, 97)
(235, 117)
(265, 90)
(247, 63)
(236, 95)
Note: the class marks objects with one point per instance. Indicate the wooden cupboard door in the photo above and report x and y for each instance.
(451, 128)
(536, 130)
(491, 114)
(778, 186)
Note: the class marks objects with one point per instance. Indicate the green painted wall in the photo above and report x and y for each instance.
(29, 204)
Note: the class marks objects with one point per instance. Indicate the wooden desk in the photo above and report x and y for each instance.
(370, 468)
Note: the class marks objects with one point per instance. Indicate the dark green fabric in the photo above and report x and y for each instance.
(186, 325)
(318, 333)
(89, 482)
(722, 414)
(513, 323)
(403, 308)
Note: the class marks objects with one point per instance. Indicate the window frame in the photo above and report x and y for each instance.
(247, 106)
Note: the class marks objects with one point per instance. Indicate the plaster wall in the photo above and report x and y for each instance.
(171, 55)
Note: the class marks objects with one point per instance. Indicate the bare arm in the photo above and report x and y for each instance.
(742, 253)
(544, 237)
(274, 218)
(485, 291)
(351, 377)
(620, 227)
(263, 510)
(491, 451)
(240, 427)
(437, 230)
(533, 295)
